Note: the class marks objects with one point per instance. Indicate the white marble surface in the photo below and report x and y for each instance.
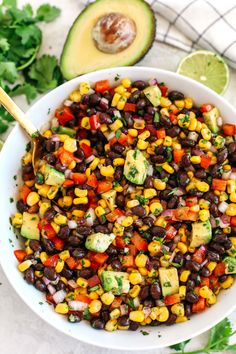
(21, 331)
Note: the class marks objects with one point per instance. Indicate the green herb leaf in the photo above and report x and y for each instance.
(142, 200)
(25, 89)
(180, 346)
(47, 13)
(30, 35)
(8, 71)
(4, 44)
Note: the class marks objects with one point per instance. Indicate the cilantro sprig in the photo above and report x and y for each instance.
(218, 340)
(21, 73)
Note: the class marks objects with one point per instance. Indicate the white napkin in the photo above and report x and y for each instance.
(195, 24)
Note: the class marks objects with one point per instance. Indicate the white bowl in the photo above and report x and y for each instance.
(10, 166)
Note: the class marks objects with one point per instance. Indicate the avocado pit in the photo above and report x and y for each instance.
(113, 33)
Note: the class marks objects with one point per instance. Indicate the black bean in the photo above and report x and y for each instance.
(97, 323)
(148, 182)
(205, 272)
(232, 148)
(116, 265)
(144, 292)
(220, 238)
(64, 232)
(188, 143)
(49, 214)
(48, 246)
(164, 174)
(141, 103)
(79, 253)
(133, 326)
(186, 160)
(188, 311)
(216, 170)
(40, 285)
(175, 95)
(157, 158)
(173, 132)
(165, 121)
(120, 200)
(158, 231)
(50, 273)
(222, 278)
(196, 278)
(60, 168)
(102, 228)
(212, 256)
(50, 159)
(50, 145)
(129, 119)
(227, 244)
(118, 173)
(197, 111)
(86, 273)
(166, 194)
(139, 84)
(80, 153)
(21, 206)
(172, 202)
(192, 297)
(91, 112)
(201, 173)
(111, 251)
(66, 272)
(190, 284)
(233, 230)
(183, 178)
(105, 316)
(84, 230)
(29, 276)
(222, 156)
(155, 291)
(105, 118)
(74, 240)
(178, 258)
(35, 245)
(113, 155)
(171, 320)
(60, 286)
(118, 148)
(139, 211)
(134, 96)
(94, 99)
(123, 321)
(195, 193)
(159, 150)
(218, 248)
(192, 265)
(39, 267)
(148, 221)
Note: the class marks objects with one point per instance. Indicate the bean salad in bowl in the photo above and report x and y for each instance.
(130, 219)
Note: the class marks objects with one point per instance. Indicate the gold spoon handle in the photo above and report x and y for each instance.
(17, 113)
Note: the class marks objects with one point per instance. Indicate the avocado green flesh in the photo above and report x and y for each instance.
(29, 228)
(210, 119)
(169, 281)
(136, 166)
(80, 54)
(53, 177)
(99, 242)
(153, 94)
(115, 282)
(230, 265)
(201, 233)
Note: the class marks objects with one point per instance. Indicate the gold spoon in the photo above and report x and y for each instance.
(26, 124)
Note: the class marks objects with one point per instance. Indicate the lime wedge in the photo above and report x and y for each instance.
(206, 67)
(1, 144)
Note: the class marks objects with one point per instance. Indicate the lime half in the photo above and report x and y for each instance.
(206, 67)
(1, 144)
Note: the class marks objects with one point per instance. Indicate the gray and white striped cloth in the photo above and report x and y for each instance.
(195, 24)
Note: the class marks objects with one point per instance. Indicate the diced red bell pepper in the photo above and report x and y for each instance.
(170, 232)
(120, 243)
(191, 201)
(200, 255)
(233, 221)
(114, 214)
(104, 186)
(58, 243)
(94, 265)
(122, 139)
(83, 298)
(64, 115)
(68, 183)
(82, 133)
(92, 181)
(164, 90)
(205, 161)
(219, 269)
(65, 156)
(94, 122)
(42, 223)
(205, 282)
(206, 107)
(130, 107)
(94, 280)
(24, 192)
(20, 255)
(192, 216)
(102, 86)
(139, 242)
(178, 155)
(229, 129)
(214, 282)
(219, 184)
(172, 299)
(116, 302)
(199, 306)
(86, 149)
(49, 298)
(51, 261)
(79, 178)
(100, 258)
(132, 249)
(161, 133)
(71, 262)
(173, 117)
(48, 231)
(128, 261)
(181, 213)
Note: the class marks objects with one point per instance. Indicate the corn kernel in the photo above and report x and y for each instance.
(195, 159)
(159, 184)
(132, 203)
(182, 247)
(167, 141)
(139, 124)
(80, 192)
(24, 265)
(184, 276)
(149, 193)
(99, 211)
(126, 82)
(59, 266)
(164, 102)
(211, 266)
(183, 120)
(136, 316)
(32, 198)
(144, 135)
(204, 215)
(118, 229)
(107, 171)
(141, 260)
(154, 247)
(85, 123)
(84, 88)
(128, 221)
(228, 282)
(180, 319)
(52, 192)
(204, 204)
(163, 314)
(156, 208)
(182, 291)
(134, 291)
(111, 325)
(82, 200)
(231, 210)
(180, 103)
(204, 144)
(64, 255)
(177, 309)
(206, 133)
(135, 278)
(199, 126)
(43, 191)
(116, 125)
(115, 314)
(120, 89)
(85, 262)
(202, 186)
(107, 298)
(70, 144)
(118, 161)
(78, 213)
(17, 220)
(133, 132)
(62, 308)
(95, 306)
(60, 219)
(47, 134)
(26, 159)
(188, 102)
(75, 96)
(93, 295)
(167, 168)
(142, 144)
(43, 256)
(82, 282)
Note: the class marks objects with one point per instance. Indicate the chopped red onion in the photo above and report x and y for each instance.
(223, 222)
(51, 289)
(152, 82)
(67, 173)
(120, 219)
(68, 103)
(233, 176)
(204, 262)
(123, 309)
(167, 214)
(45, 280)
(55, 207)
(182, 202)
(54, 123)
(175, 166)
(147, 311)
(150, 170)
(193, 136)
(179, 191)
(117, 113)
(219, 121)
(130, 189)
(188, 257)
(223, 207)
(77, 305)
(90, 217)
(136, 302)
(111, 136)
(72, 284)
(213, 222)
(213, 149)
(104, 103)
(152, 216)
(55, 138)
(91, 91)
(90, 159)
(172, 257)
(72, 224)
(165, 248)
(226, 175)
(160, 303)
(176, 239)
(59, 296)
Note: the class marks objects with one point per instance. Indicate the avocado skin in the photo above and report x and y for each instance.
(130, 62)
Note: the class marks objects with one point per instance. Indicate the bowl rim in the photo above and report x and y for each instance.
(89, 77)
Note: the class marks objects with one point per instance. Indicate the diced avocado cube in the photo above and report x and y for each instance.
(230, 265)
(210, 119)
(65, 130)
(29, 228)
(169, 281)
(110, 198)
(116, 282)
(53, 177)
(99, 242)
(153, 94)
(201, 233)
(136, 166)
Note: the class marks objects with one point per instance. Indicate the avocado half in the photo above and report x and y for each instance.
(80, 55)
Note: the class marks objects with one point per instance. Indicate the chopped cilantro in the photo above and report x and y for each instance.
(86, 314)
(118, 133)
(130, 302)
(142, 200)
(144, 333)
(117, 77)
(156, 118)
(11, 200)
(40, 302)
(167, 284)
